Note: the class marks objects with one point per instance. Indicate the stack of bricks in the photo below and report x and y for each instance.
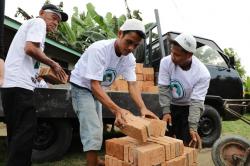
(146, 145)
(49, 76)
(144, 77)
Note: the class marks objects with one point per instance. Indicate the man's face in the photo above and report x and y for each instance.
(179, 56)
(52, 20)
(127, 43)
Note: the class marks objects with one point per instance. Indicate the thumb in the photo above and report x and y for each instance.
(170, 121)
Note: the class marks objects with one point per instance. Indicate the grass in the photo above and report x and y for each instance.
(75, 156)
(236, 127)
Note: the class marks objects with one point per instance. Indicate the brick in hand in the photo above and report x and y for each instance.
(49, 76)
(143, 128)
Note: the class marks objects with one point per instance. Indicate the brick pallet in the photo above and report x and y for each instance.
(146, 145)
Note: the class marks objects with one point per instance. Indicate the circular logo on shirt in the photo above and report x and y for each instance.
(177, 89)
(108, 77)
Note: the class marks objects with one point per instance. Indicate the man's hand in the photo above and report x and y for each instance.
(145, 113)
(195, 140)
(120, 120)
(59, 71)
(168, 119)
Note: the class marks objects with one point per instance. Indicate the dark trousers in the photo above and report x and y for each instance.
(20, 118)
(180, 127)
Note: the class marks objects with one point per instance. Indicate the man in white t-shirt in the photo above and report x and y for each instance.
(25, 51)
(99, 65)
(183, 83)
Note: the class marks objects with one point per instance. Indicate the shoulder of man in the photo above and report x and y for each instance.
(201, 67)
(166, 61)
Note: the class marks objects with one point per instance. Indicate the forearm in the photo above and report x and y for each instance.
(102, 96)
(35, 52)
(164, 98)
(135, 94)
(195, 110)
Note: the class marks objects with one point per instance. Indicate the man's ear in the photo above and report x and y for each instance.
(41, 12)
(120, 33)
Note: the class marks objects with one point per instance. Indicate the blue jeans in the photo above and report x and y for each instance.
(89, 113)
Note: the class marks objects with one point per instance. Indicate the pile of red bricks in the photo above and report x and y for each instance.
(144, 77)
(146, 145)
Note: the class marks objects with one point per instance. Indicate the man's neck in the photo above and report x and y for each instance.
(186, 66)
(117, 51)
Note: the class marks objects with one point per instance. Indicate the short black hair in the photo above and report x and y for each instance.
(140, 33)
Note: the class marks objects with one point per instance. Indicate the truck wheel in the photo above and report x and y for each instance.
(227, 148)
(52, 140)
(209, 126)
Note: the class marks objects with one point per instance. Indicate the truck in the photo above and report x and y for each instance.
(57, 122)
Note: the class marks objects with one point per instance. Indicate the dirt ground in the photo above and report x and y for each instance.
(204, 157)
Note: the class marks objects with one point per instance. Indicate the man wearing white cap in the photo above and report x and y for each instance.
(183, 83)
(99, 65)
(25, 51)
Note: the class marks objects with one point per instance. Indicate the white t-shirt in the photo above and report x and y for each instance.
(41, 84)
(19, 67)
(100, 62)
(184, 85)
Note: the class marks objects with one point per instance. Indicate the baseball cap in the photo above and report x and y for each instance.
(133, 25)
(56, 10)
(187, 42)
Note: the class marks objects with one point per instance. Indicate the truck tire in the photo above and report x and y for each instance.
(225, 148)
(52, 140)
(209, 126)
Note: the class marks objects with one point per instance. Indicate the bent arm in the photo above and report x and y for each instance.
(195, 109)
(164, 98)
(33, 49)
(197, 102)
(102, 96)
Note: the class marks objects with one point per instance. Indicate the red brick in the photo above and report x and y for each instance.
(157, 127)
(166, 146)
(135, 129)
(149, 154)
(148, 74)
(139, 68)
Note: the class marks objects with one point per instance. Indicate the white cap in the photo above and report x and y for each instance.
(187, 42)
(133, 25)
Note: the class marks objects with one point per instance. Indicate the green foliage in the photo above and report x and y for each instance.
(247, 87)
(86, 28)
(231, 53)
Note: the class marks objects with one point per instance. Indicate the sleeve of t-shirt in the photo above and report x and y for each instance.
(164, 77)
(129, 70)
(36, 31)
(95, 65)
(200, 89)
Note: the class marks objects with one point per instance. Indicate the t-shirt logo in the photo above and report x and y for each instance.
(177, 89)
(108, 77)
